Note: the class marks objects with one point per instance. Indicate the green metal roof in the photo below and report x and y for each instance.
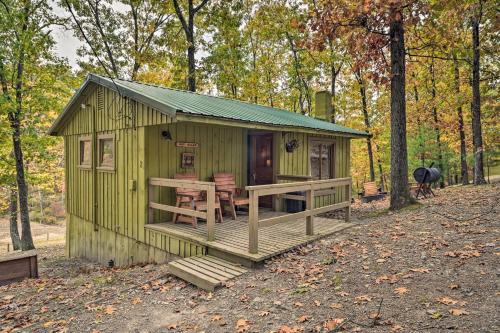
(173, 101)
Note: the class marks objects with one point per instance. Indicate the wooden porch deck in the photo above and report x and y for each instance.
(232, 236)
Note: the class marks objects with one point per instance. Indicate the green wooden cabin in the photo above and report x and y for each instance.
(118, 134)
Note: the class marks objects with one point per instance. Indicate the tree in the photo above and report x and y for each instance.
(476, 97)
(23, 27)
(118, 42)
(188, 27)
(368, 28)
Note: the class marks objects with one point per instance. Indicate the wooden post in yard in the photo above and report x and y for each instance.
(253, 222)
(150, 200)
(309, 208)
(348, 199)
(211, 212)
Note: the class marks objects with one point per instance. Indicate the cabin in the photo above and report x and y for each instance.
(139, 157)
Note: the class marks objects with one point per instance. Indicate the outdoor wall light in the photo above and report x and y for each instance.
(291, 145)
(166, 135)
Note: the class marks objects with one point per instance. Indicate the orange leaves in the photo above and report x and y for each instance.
(463, 254)
(401, 291)
(109, 310)
(288, 329)
(332, 324)
(362, 299)
(216, 318)
(447, 300)
(136, 301)
(303, 318)
(419, 270)
(242, 325)
(458, 312)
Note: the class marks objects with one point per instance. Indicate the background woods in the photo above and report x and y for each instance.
(428, 68)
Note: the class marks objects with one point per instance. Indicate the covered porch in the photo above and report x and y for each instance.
(260, 233)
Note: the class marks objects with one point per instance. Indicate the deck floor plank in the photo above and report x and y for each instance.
(231, 236)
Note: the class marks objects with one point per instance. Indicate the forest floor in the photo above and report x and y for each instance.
(432, 267)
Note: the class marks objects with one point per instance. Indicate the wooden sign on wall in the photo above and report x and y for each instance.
(187, 144)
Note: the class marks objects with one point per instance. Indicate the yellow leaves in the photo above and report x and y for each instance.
(242, 325)
(401, 291)
(458, 312)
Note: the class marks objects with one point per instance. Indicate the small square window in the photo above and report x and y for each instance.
(322, 159)
(106, 149)
(85, 152)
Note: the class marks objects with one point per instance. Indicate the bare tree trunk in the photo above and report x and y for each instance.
(476, 105)
(400, 194)
(463, 153)
(364, 107)
(422, 155)
(188, 27)
(14, 231)
(436, 125)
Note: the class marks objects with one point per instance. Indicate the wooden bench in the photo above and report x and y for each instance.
(18, 266)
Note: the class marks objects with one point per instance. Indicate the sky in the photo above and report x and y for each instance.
(66, 42)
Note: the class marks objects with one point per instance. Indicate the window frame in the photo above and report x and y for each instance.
(100, 138)
(325, 141)
(81, 139)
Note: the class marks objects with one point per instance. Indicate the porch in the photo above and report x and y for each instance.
(261, 233)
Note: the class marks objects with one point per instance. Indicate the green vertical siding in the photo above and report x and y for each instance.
(221, 149)
(141, 153)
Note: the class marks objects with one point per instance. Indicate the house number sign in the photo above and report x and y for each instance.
(187, 144)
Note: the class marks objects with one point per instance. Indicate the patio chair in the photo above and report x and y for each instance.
(371, 192)
(229, 194)
(193, 199)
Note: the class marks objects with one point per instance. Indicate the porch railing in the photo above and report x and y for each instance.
(309, 187)
(208, 187)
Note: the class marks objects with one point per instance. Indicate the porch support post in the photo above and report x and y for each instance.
(348, 194)
(253, 222)
(309, 208)
(211, 212)
(150, 199)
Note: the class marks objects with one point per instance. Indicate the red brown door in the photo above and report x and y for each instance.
(261, 163)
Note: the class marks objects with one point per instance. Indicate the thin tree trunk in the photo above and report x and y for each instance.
(476, 106)
(419, 124)
(436, 125)
(463, 152)
(191, 64)
(14, 231)
(400, 194)
(380, 170)
(364, 107)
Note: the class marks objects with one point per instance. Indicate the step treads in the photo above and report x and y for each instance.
(206, 272)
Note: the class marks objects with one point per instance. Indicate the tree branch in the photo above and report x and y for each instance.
(200, 6)
(180, 15)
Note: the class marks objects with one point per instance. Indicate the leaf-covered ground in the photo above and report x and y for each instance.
(433, 267)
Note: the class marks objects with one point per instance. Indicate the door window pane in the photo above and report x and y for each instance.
(85, 152)
(106, 152)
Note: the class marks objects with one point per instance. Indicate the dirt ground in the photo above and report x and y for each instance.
(433, 267)
(43, 234)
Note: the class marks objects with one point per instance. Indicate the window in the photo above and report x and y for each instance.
(322, 159)
(85, 152)
(106, 150)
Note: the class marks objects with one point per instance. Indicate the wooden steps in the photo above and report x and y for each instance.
(206, 272)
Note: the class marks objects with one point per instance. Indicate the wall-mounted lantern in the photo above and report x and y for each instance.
(166, 135)
(291, 145)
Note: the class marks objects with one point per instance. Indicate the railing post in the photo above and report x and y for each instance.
(253, 222)
(348, 198)
(211, 212)
(150, 199)
(309, 208)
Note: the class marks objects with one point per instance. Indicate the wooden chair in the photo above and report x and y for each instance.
(229, 194)
(371, 192)
(193, 199)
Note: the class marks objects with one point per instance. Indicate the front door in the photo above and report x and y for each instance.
(261, 163)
